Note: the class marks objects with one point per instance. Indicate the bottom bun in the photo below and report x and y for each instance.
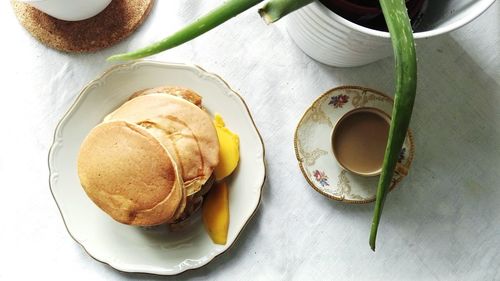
(127, 173)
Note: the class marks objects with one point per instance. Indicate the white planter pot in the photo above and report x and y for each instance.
(333, 40)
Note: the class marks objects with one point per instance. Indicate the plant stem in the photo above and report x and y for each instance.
(398, 22)
(219, 15)
(277, 9)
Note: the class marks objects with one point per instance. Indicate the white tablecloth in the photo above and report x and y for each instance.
(443, 223)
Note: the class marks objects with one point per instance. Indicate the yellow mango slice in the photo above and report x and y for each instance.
(215, 213)
(229, 152)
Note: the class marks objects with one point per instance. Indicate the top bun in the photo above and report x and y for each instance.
(183, 128)
(184, 93)
(129, 174)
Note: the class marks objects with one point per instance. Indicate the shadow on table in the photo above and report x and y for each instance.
(240, 247)
(449, 201)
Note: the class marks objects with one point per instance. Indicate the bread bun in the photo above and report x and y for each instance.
(184, 93)
(129, 174)
(183, 128)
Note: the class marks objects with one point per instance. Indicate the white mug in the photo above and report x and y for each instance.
(70, 10)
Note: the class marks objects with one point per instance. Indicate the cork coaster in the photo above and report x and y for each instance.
(113, 24)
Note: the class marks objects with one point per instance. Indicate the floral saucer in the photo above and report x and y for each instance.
(313, 147)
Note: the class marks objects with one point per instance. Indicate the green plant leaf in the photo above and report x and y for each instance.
(398, 22)
(212, 19)
(274, 10)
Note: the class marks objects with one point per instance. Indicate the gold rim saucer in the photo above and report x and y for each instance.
(313, 150)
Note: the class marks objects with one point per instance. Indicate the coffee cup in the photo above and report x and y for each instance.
(359, 139)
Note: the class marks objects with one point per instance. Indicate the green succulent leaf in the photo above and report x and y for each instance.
(398, 22)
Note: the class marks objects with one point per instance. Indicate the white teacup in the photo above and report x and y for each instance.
(70, 10)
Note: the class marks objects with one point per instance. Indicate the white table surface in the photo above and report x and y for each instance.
(443, 223)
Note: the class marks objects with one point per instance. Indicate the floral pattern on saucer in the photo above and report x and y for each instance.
(339, 100)
(321, 178)
(313, 145)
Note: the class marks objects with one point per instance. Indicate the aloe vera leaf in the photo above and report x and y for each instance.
(398, 22)
(212, 19)
(274, 10)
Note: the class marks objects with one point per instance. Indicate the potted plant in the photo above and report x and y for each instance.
(366, 12)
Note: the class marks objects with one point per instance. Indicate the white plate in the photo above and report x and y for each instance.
(314, 151)
(154, 250)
